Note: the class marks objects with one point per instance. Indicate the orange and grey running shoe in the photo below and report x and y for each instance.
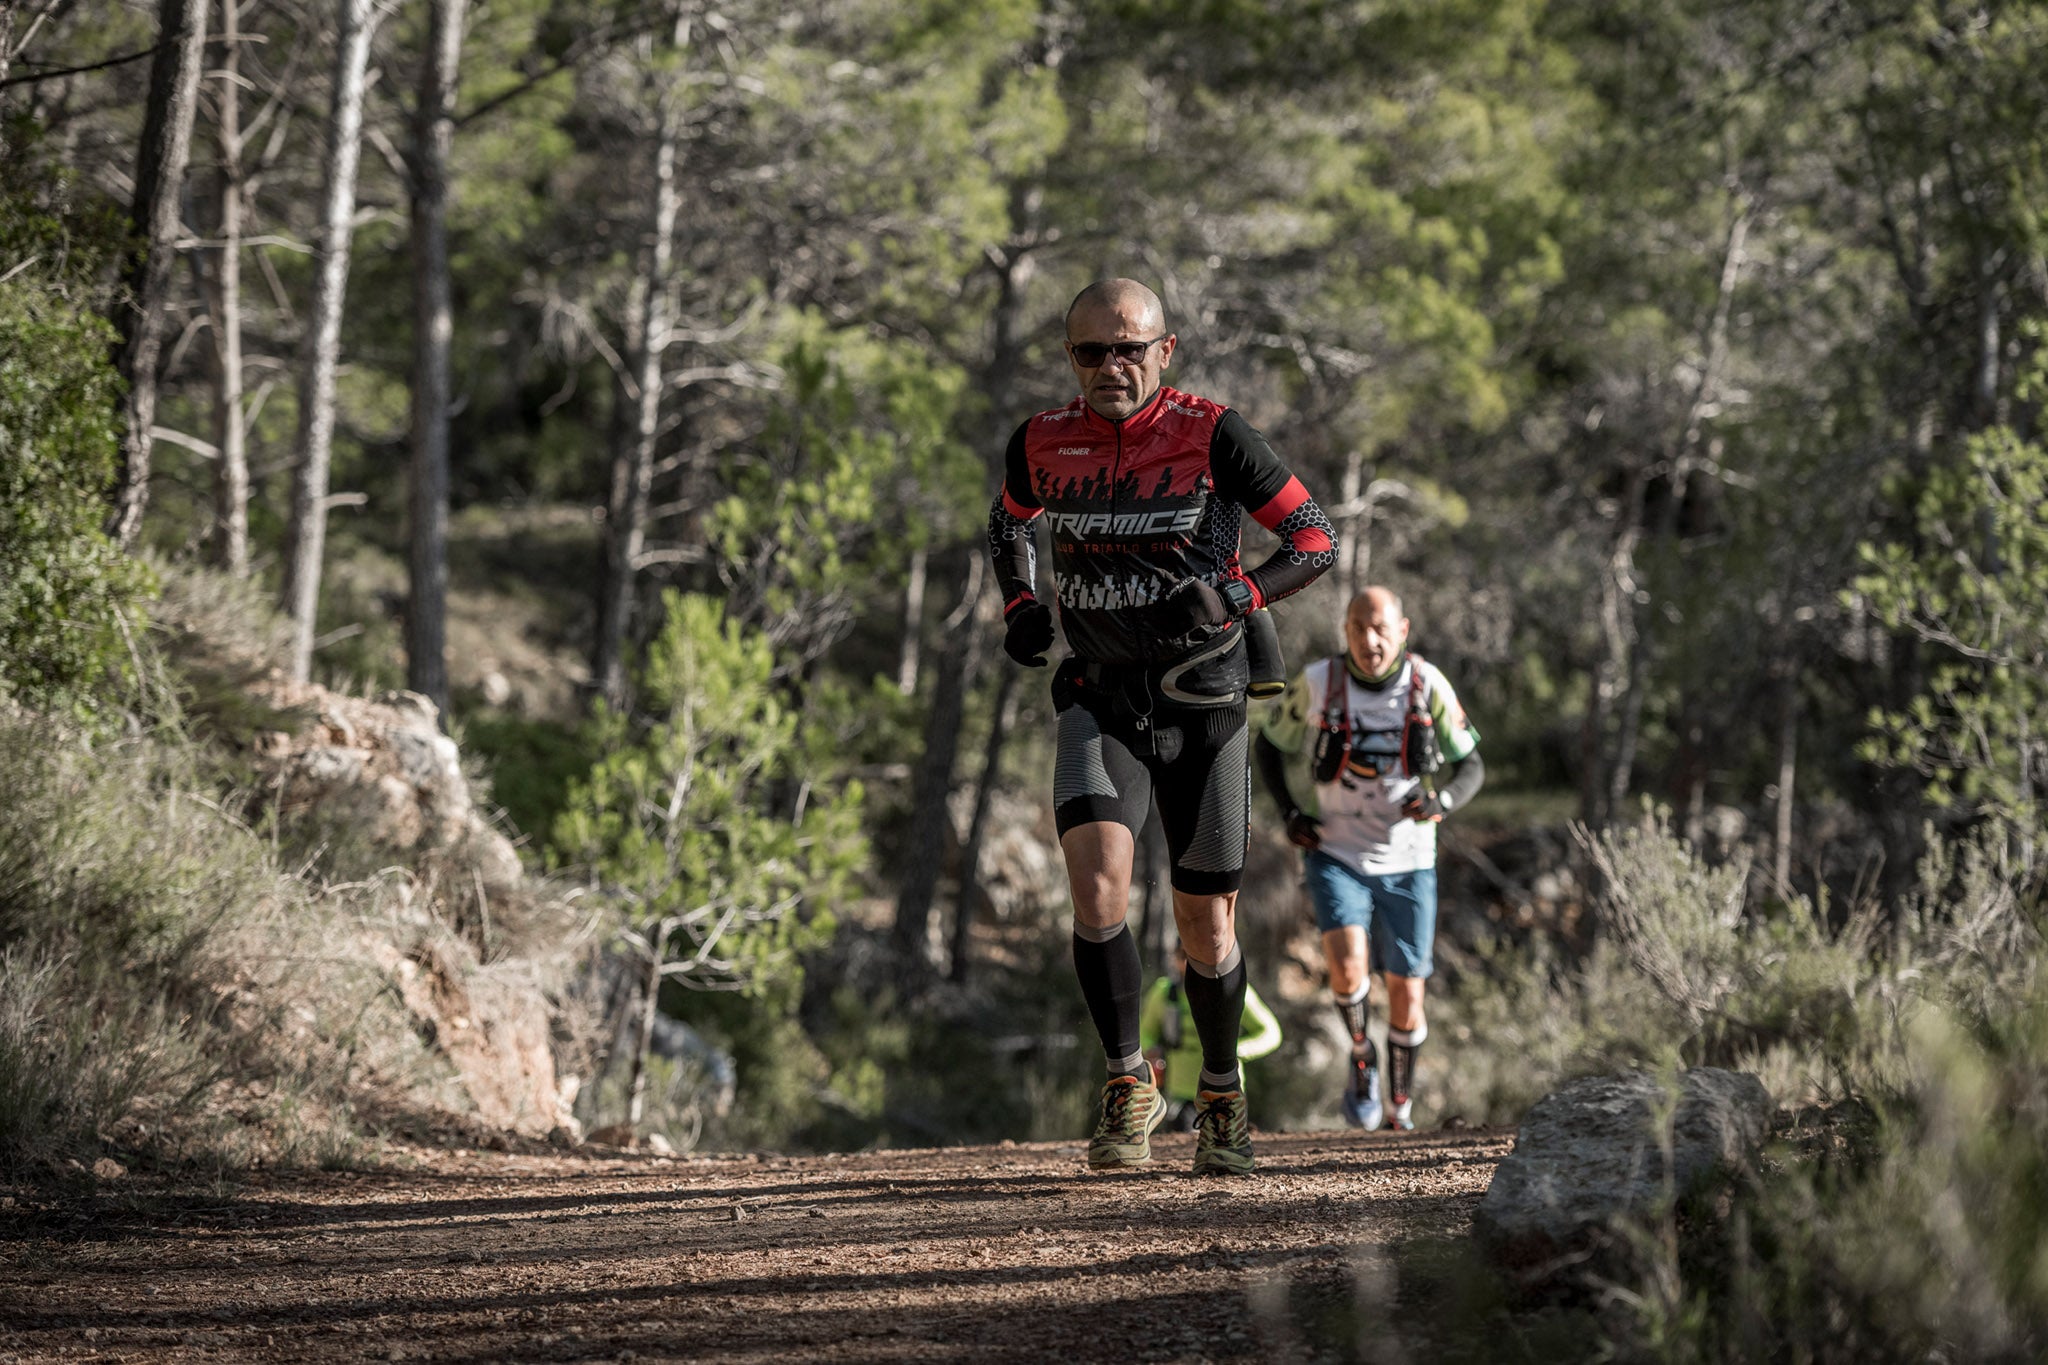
(1131, 1109)
(1223, 1133)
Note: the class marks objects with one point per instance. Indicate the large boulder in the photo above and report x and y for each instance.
(1608, 1151)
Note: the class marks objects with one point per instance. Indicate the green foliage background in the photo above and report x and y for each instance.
(1681, 364)
(708, 818)
(67, 594)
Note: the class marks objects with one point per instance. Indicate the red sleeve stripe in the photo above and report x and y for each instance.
(1284, 502)
(1023, 513)
(1305, 539)
(1016, 602)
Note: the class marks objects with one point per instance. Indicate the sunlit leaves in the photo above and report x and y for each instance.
(856, 469)
(702, 816)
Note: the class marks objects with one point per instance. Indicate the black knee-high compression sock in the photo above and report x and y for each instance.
(1352, 1012)
(1112, 982)
(1401, 1048)
(1216, 1000)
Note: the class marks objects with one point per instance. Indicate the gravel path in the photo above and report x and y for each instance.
(1009, 1253)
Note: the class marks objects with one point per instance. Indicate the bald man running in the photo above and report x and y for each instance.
(1141, 488)
(1364, 755)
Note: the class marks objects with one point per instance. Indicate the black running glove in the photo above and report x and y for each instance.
(1304, 831)
(1427, 807)
(1187, 608)
(1030, 632)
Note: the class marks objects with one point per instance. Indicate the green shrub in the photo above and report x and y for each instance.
(1907, 1229)
(722, 847)
(68, 595)
(1972, 588)
(726, 851)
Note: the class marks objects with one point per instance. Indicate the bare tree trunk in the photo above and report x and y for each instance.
(1984, 389)
(1598, 783)
(306, 531)
(1592, 806)
(7, 41)
(1354, 549)
(1691, 786)
(1014, 263)
(633, 458)
(159, 181)
(913, 623)
(614, 589)
(650, 1006)
(1623, 680)
(426, 615)
(1788, 753)
(1647, 611)
(230, 539)
(930, 819)
(977, 828)
(1156, 929)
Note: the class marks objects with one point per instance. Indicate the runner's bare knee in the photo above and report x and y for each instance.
(1099, 872)
(1207, 924)
(1404, 1002)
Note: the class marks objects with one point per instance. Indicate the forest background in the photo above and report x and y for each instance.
(631, 378)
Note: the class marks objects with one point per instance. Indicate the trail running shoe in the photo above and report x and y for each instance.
(1131, 1109)
(1401, 1117)
(1361, 1102)
(1223, 1134)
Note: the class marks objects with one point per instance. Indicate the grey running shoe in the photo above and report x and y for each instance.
(1361, 1102)
(1223, 1134)
(1131, 1109)
(1401, 1117)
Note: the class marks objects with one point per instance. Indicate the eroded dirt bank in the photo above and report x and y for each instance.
(984, 1253)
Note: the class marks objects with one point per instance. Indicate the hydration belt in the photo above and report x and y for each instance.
(1148, 680)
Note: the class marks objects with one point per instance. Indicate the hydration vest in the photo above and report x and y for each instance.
(1421, 753)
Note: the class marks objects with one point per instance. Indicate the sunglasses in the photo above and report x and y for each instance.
(1091, 355)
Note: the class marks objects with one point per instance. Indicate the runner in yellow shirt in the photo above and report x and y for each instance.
(1166, 1031)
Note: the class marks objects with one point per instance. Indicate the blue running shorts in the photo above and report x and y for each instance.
(1396, 909)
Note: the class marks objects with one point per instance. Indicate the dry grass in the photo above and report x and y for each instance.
(1904, 1218)
(186, 980)
(172, 992)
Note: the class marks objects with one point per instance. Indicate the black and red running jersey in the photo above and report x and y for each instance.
(1138, 506)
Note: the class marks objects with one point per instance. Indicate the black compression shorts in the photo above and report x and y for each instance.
(1174, 735)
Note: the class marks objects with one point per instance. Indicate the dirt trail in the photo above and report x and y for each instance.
(983, 1253)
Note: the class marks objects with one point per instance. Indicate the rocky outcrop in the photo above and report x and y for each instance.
(1606, 1151)
(492, 1026)
(380, 773)
(1019, 872)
